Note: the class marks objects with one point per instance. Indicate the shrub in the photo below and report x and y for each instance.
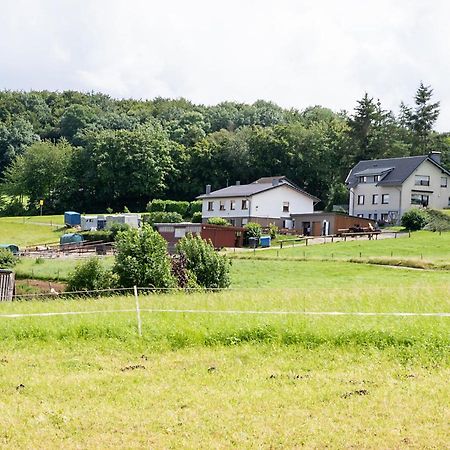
(437, 221)
(7, 259)
(414, 219)
(90, 275)
(252, 230)
(195, 207)
(156, 205)
(142, 259)
(99, 235)
(116, 227)
(218, 221)
(177, 207)
(273, 230)
(211, 270)
(183, 276)
(197, 217)
(162, 217)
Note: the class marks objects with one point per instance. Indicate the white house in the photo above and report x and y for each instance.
(383, 189)
(267, 200)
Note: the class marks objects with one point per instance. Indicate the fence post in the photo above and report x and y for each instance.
(138, 311)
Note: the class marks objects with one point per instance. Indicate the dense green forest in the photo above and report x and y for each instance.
(90, 152)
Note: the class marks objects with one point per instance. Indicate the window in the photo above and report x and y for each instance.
(232, 204)
(385, 199)
(384, 217)
(363, 179)
(285, 206)
(210, 206)
(375, 199)
(232, 222)
(244, 221)
(422, 180)
(245, 204)
(420, 199)
(449, 201)
(375, 216)
(376, 178)
(444, 182)
(361, 199)
(360, 215)
(222, 205)
(369, 216)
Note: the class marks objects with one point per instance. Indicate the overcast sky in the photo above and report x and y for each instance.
(296, 53)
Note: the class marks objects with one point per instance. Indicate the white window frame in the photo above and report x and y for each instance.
(285, 206)
(444, 182)
(421, 180)
(245, 204)
(222, 205)
(361, 197)
(375, 198)
(211, 206)
(232, 205)
(383, 199)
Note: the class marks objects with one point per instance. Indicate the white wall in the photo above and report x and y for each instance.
(438, 199)
(264, 204)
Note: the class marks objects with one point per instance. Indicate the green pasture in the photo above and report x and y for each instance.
(421, 245)
(210, 379)
(276, 273)
(34, 230)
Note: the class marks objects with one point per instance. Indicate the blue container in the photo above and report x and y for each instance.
(72, 218)
(264, 241)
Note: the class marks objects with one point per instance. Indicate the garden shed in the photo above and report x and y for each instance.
(72, 218)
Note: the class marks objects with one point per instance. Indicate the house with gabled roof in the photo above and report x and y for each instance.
(383, 189)
(265, 201)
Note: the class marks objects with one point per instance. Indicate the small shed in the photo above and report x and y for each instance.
(220, 236)
(133, 220)
(71, 238)
(72, 218)
(13, 248)
(7, 285)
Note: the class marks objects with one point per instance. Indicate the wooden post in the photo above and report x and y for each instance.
(138, 311)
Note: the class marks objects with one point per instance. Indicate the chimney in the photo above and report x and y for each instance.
(435, 156)
(238, 183)
(208, 189)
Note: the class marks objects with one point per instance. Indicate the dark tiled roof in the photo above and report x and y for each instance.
(400, 169)
(246, 190)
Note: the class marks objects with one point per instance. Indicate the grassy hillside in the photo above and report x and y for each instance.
(25, 231)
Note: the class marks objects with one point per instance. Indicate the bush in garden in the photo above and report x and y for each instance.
(116, 227)
(252, 230)
(211, 270)
(195, 206)
(156, 205)
(273, 230)
(414, 219)
(90, 275)
(437, 221)
(7, 259)
(177, 207)
(218, 221)
(196, 217)
(162, 217)
(184, 277)
(98, 235)
(142, 259)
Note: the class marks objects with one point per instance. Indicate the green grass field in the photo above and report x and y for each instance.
(204, 380)
(25, 231)
(244, 368)
(421, 245)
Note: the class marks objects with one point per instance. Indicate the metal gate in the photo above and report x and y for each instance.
(6, 284)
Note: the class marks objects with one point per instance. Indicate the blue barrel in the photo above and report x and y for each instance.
(264, 241)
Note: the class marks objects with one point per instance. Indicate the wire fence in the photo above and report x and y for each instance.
(137, 310)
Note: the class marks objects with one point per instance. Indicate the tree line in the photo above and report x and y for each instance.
(90, 152)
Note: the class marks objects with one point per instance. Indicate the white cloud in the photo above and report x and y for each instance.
(295, 53)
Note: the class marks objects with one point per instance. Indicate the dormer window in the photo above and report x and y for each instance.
(363, 179)
(376, 178)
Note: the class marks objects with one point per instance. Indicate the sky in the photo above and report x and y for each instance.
(296, 53)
